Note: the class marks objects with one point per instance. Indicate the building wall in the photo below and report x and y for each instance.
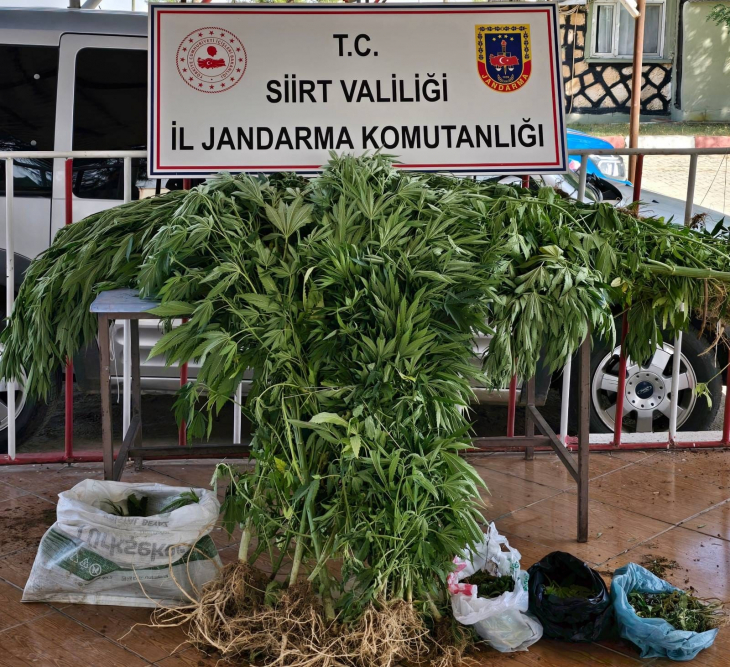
(704, 92)
(593, 88)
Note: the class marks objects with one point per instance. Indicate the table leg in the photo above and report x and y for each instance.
(584, 407)
(107, 444)
(136, 386)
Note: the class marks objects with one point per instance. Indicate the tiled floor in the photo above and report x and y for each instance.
(673, 504)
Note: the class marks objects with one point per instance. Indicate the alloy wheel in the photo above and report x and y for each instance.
(648, 391)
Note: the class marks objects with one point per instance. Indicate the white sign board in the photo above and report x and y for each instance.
(471, 88)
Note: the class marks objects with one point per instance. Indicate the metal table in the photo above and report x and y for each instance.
(125, 304)
(577, 467)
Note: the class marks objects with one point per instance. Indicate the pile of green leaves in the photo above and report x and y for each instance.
(183, 500)
(568, 592)
(681, 610)
(658, 565)
(355, 297)
(139, 506)
(135, 506)
(51, 318)
(490, 586)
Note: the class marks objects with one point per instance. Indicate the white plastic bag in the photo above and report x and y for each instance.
(93, 557)
(502, 621)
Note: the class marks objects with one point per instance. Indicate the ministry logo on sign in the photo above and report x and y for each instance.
(211, 60)
(503, 56)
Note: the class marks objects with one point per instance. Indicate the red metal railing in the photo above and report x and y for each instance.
(182, 436)
(617, 440)
(621, 386)
(69, 380)
(512, 407)
(512, 400)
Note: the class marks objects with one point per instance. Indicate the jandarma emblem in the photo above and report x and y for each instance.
(503, 56)
(211, 60)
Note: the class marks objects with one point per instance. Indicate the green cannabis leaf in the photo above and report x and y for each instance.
(353, 300)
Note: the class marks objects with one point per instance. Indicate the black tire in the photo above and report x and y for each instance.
(707, 371)
(35, 411)
(701, 416)
(27, 423)
(29, 420)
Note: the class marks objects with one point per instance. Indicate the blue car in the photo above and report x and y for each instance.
(610, 167)
(606, 173)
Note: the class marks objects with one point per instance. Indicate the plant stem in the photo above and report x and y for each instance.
(329, 608)
(685, 271)
(247, 531)
(255, 553)
(245, 541)
(282, 553)
(434, 610)
(298, 551)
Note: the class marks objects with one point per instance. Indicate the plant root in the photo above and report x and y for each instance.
(385, 636)
(449, 643)
(239, 620)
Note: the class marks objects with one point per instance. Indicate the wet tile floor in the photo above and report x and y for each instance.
(673, 504)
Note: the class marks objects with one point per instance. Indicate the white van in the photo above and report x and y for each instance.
(72, 80)
(77, 80)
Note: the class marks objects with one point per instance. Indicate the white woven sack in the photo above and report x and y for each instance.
(93, 557)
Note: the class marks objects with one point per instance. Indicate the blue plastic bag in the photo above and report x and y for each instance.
(654, 636)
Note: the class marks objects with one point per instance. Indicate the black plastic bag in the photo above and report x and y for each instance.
(578, 619)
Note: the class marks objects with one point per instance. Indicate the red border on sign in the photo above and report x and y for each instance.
(313, 167)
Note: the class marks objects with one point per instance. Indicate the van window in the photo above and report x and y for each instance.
(28, 81)
(110, 113)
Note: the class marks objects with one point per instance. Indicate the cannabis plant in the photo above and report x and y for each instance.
(355, 297)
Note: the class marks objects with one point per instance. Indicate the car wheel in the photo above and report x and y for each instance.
(648, 389)
(29, 414)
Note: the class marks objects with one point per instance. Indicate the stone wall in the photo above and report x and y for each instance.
(592, 88)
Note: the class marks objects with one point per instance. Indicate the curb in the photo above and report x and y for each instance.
(712, 142)
(671, 141)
